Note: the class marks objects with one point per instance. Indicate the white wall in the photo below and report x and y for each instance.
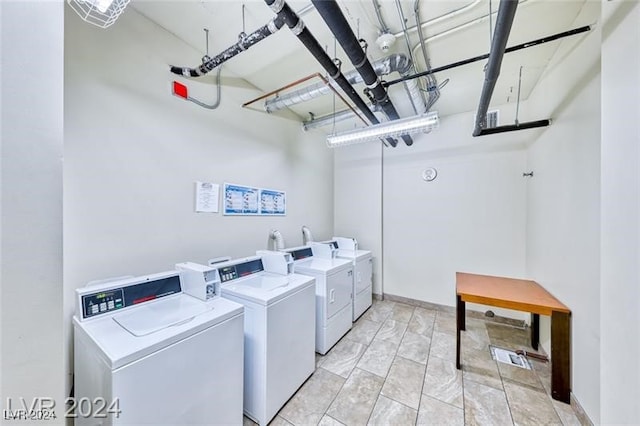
(133, 152)
(620, 229)
(563, 202)
(31, 211)
(470, 218)
(358, 200)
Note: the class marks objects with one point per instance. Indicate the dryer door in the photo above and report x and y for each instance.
(339, 291)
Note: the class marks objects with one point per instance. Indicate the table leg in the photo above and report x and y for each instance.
(561, 356)
(460, 325)
(535, 331)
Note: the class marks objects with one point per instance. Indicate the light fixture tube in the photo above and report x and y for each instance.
(395, 129)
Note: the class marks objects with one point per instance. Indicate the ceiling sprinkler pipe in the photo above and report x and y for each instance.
(504, 21)
(243, 44)
(335, 19)
(282, 9)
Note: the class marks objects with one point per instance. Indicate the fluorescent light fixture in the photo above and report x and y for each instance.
(405, 126)
(102, 13)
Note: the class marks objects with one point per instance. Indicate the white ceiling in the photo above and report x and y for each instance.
(454, 30)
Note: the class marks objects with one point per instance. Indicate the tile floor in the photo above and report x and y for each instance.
(397, 367)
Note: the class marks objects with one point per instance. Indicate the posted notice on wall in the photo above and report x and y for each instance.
(207, 195)
(272, 202)
(240, 200)
(247, 200)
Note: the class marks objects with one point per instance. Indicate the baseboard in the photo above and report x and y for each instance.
(582, 416)
(450, 309)
(419, 303)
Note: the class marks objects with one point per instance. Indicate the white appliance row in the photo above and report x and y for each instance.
(204, 343)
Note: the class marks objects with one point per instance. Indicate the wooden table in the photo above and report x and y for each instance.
(528, 296)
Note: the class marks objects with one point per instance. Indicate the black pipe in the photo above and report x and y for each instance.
(245, 42)
(284, 12)
(485, 56)
(504, 21)
(514, 127)
(337, 23)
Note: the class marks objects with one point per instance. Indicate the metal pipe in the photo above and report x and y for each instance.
(513, 127)
(383, 26)
(433, 93)
(441, 17)
(216, 104)
(328, 119)
(335, 19)
(504, 21)
(397, 62)
(245, 42)
(282, 9)
(531, 43)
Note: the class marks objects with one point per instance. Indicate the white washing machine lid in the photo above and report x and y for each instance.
(358, 255)
(315, 265)
(138, 332)
(266, 288)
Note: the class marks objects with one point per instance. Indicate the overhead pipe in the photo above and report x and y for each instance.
(515, 48)
(284, 12)
(514, 127)
(335, 19)
(398, 62)
(326, 120)
(433, 92)
(244, 42)
(504, 21)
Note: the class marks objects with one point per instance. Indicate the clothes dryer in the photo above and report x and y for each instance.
(334, 284)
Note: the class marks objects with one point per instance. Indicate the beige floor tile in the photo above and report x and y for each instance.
(484, 405)
(311, 401)
(508, 336)
(530, 406)
(480, 368)
(415, 347)
(422, 321)
(443, 345)
(404, 382)
(389, 412)
(402, 312)
(343, 357)
(363, 331)
(520, 375)
(392, 330)
(438, 413)
(565, 412)
(445, 322)
(443, 381)
(329, 421)
(377, 374)
(380, 311)
(356, 399)
(378, 357)
(279, 421)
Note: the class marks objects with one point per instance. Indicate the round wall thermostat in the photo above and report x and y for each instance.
(429, 174)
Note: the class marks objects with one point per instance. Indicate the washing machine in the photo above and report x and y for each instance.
(334, 284)
(150, 354)
(347, 248)
(279, 329)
